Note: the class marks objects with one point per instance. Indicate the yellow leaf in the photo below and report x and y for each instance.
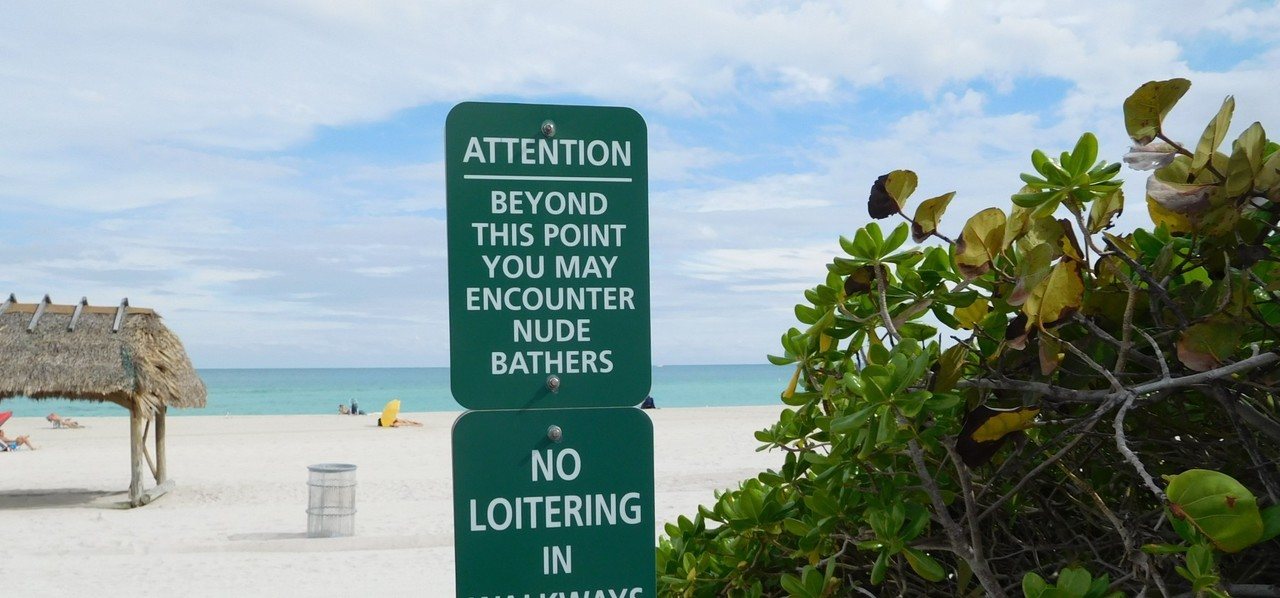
(1175, 222)
(1104, 210)
(1147, 107)
(980, 242)
(985, 430)
(1057, 297)
(1004, 421)
(973, 313)
(928, 215)
(1018, 223)
(1032, 269)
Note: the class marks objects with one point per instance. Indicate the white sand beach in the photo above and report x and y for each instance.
(236, 522)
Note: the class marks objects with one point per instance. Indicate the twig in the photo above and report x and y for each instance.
(1122, 445)
(1164, 366)
(1229, 404)
(966, 492)
(955, 535)
(1085, 426)
(1182, 150)
(1095, 396)
(1126, 332)
(881, 269)
(1153, 287)
(1097, 367)
(1124, 347)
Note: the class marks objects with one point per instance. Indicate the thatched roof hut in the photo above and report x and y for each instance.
(121, 354)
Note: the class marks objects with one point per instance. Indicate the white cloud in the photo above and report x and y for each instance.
(165, 154)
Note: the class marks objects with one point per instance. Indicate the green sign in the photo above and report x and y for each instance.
(537, 517)
(548, 224)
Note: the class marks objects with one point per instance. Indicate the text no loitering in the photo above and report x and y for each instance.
(549, 512)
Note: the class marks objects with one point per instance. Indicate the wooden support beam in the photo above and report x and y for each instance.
(146, 453)
(75, 316)
(39, 312)
(124, 306)
(155, 492)
(7, 302)
(162, 470)
(136, 448)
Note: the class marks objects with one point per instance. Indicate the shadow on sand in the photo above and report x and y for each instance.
(60, 498)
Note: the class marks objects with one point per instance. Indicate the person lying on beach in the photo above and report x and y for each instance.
(342, 409)
(62, 422)
(12, 444)
(399, 423)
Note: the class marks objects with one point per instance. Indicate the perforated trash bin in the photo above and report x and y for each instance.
(331, 506)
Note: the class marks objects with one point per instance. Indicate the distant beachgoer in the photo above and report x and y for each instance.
(648, 403)
(399, 423)
(343, 410)
(355, 408)
(62, 422)
(12, 444)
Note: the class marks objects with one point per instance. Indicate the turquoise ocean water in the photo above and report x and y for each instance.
(303, 391)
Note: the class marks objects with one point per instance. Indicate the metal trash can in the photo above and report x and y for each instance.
(331, 506)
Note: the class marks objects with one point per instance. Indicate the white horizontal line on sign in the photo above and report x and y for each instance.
(576, 179)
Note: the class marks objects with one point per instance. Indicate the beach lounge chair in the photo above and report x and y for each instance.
(62, 422)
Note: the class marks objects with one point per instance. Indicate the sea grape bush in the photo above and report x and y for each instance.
(1096, 417)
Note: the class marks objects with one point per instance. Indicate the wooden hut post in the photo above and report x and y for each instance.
(162, 472)
(137, 446)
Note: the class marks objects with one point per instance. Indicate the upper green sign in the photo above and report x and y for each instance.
(548, 222)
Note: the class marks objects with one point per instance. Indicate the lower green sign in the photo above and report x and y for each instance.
(554, 503)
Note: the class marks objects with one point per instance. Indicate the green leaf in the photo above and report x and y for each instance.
(794, 586)
(895, 240)
(1085, 153)
(1207, 345)
(863, 246)
(1268, 176)
(775, 360)
(853, 421)
(1214, 134)
(924, 565)
(1217, 506)
(918, 331)
(1270, 523)
(1245, 161)
(879, 568)
(1144, 111)
(1034, 199)
(1074, 581)
(1033, 586)
(1159, 549)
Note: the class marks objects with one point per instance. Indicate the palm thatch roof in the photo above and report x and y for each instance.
(120, 354)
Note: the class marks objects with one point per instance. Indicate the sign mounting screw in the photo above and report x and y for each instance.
(549, 128)
(553, 383)
(555, 434)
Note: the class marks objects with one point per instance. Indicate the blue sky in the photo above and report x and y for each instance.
(269, 176)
